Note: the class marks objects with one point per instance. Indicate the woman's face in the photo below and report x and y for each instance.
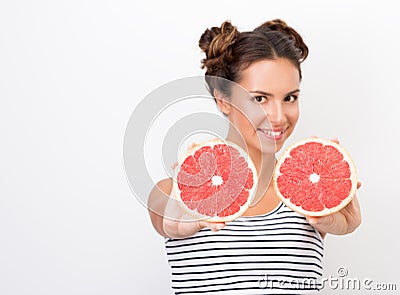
(267, 117)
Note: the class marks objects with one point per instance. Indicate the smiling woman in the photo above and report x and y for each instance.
(274, 85)
(269, 242)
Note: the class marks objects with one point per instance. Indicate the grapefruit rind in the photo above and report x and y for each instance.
(194, 213)
(325, 211)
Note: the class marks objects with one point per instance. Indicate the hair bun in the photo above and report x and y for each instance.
(276, 25)
(215, 42)
(281, 26)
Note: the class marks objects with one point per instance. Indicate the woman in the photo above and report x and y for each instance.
(270, 249)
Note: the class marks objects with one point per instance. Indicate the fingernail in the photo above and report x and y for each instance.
(312, 220)
(219, 226)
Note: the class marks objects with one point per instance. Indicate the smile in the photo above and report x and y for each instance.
(270, 134)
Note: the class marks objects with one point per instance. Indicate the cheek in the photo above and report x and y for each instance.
(240, 121)
(249, 116)
(293, 114)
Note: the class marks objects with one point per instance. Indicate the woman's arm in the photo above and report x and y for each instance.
(157, 203)
(168, 217)
(340, 223)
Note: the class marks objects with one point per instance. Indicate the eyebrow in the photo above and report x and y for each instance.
(270, 94)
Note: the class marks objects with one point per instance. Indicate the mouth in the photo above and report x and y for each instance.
(273, 134)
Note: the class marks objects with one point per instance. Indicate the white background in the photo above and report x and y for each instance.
(71, 73)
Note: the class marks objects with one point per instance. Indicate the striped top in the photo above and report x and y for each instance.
(274, 253)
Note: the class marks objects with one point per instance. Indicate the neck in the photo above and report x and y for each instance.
(263, 162)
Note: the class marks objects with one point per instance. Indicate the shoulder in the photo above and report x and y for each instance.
(160, 192)
(164, 186)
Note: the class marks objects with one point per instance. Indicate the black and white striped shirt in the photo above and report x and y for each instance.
(274, 253)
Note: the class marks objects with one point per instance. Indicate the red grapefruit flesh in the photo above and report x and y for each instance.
(215, 181)
(315, 177)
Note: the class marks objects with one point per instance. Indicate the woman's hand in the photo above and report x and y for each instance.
(340, 223)
(177, 224)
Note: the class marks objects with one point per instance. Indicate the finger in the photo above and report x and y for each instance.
(313, 220)
(354, 204)
(193, 144)
(321, 222)
(324, 223)
(214, 226)
(335, 140)
(217, 227)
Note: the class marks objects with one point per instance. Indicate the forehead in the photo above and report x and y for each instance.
(278, 76)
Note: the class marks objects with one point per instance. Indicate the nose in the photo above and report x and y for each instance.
(275, 113)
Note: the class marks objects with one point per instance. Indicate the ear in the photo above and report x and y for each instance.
(222, 102)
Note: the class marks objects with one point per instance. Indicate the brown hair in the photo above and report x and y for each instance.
(229, 52)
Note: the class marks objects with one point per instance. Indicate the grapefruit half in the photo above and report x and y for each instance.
(215, 180)
(315, 177)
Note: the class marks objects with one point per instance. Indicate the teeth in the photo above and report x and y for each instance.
(272, 133)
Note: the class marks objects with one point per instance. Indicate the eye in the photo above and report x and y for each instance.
(291, 98)
(260, 98)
